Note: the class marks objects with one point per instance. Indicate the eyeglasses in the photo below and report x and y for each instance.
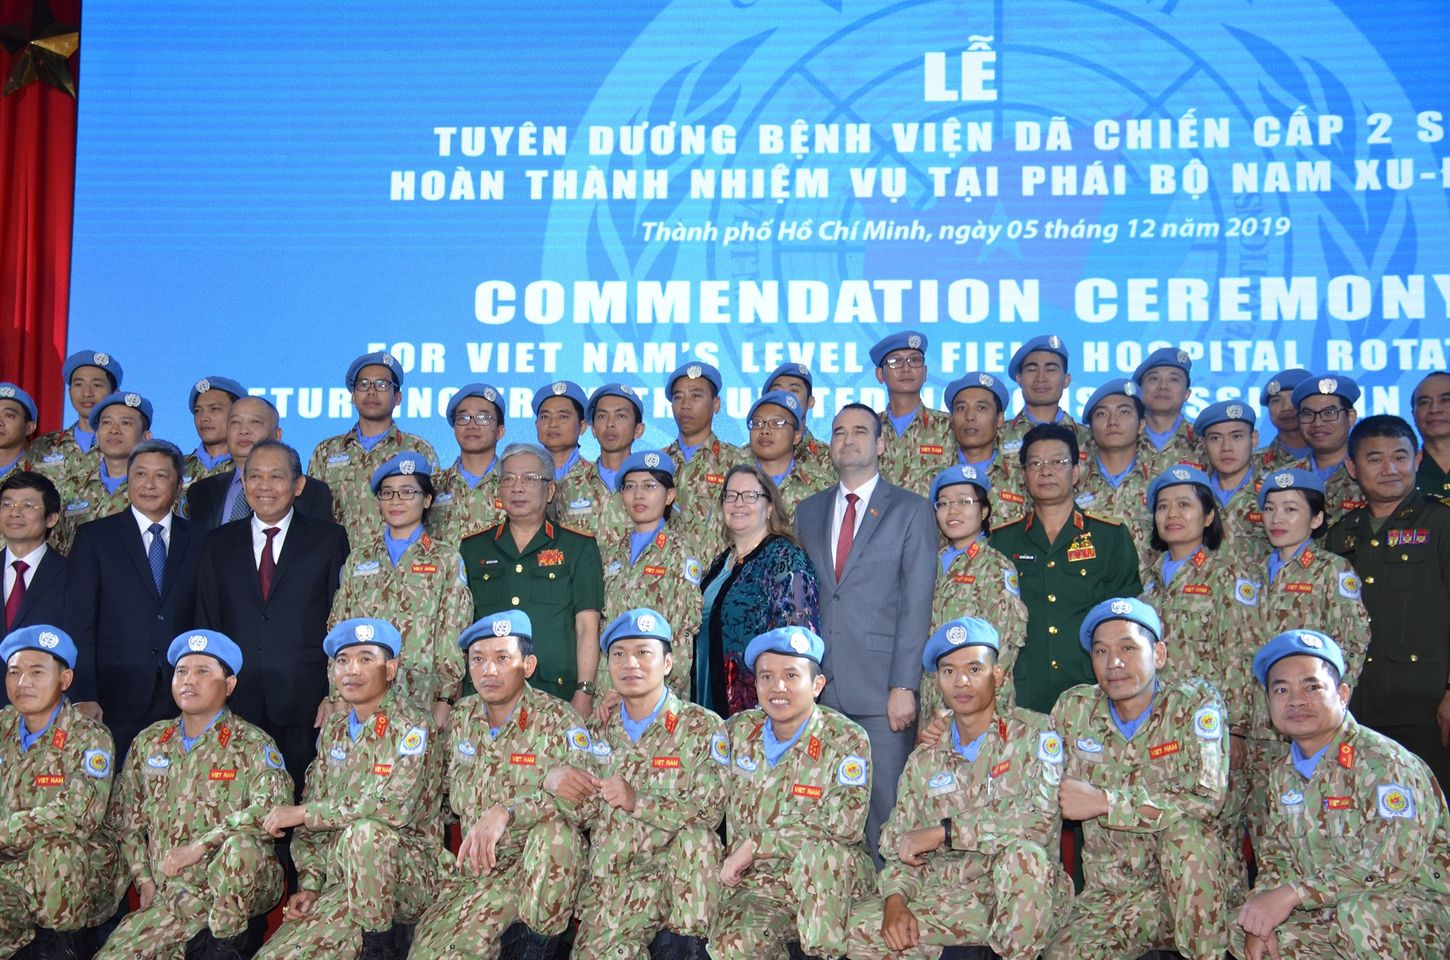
(1328, 415)
(961, 503)
(913, 362)
(775, 423)
(372, 386)
(8, 505)
(482, 419)
(1038, 466)
(744, 496)
(642, 486)
(407, 493)
(514, 479)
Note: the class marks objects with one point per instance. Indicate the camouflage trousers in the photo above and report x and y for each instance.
(374, 876)
(242, 880)
(810, 901)
(1171, 900)
(537, 886)
(1399, 924)
(627, 899)
(1012, 902)
(1263, 755)
(60, 883)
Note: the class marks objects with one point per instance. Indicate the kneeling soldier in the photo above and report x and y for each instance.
(652, 798)
(799, 788)
(60, 870)
(188, 812)
(1147, 773)
(522, 850)
(368, 824)
(1354, 860)
(970, 848)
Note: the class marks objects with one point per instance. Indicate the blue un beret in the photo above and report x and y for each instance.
(380, 358)
(561, 388)
(224, 384)
(791, 641)
(957, 475)
(1330, 385)
(1225, 411)
(1165, 357)
(43, 637)
(10, 391)
(1113, 388)
(1119, 608)
(1293, 643)
(656, 460)
(1182, 473)
(694, 370)
(615, 390)
(780, 398)
(1051, 344)
(482, 391)
(798, 370)
(1286, 380)
(407, 463)
(984, 381)
(132, 400)
(509, 623)
(91, 358)
(1290, 479)
(362, 630)
(209, 642)
(962, 632)
(632, 624)
(905, 340)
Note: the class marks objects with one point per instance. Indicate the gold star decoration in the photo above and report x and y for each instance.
(41, 47)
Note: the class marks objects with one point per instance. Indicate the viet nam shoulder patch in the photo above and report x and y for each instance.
(852, 772)
(96, 763)
(1349, 585)
(1393, 800)
(1049, 747)
(413, 742)
(1208, 724)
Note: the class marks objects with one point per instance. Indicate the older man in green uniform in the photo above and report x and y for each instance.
(1355, 857)
(1399, 545)
(1067, 560)
(549, 571)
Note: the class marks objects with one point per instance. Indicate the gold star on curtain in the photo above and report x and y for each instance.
(41, 47)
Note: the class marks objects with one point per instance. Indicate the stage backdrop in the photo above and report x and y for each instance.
(520, 193)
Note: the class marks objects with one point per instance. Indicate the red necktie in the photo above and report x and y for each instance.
(847, 535)
(17, 594)
(268, 566)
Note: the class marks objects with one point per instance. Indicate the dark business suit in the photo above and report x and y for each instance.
(207, 498)
(122, 624)
(44, 600)
(284, 671)
(875, 619)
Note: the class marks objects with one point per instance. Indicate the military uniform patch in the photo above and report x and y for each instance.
(1246, 592)
(720, 748)
(1348, 585)
(941, 784)
(578, 738)
(1049, 747)
(852, 772)
(96, 763)
(272, 758)
(1393, 801)
(1208, 724)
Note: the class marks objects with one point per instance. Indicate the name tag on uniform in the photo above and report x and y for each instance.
(1001, 768)
(807, 791)
(50, 780)
(1298, 588)
(654, 571)
(967, 578)
(1163, 750)
(715, 478)
(1196, 589)
(1338, 803)
(383, 769)
(523, 759)
(425, 568)
(218, 774)
(1011, 497)
(931, 449)
(665, 763)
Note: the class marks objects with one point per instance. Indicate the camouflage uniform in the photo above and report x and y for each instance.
(57, 455)
(59, 865)
(807, 816)
(658, 866)
(812, 450)
(698, 485)
(1153, 882)
(665, 578)
(215, 794)
(192, 469)
(369, 843)
(459, 510)
(981, 582)
(540, 855)
(83, 498)
(1365, 842)
(1182, 447)
(1016, 428)
(580, 496)
(1000, 882)
(347, 468)
(1008, 496)
(1275, 457)
(1127, 503)
(1341, 493)
(804, 479)
(425, 597)
(1244, 539)
(914, 458)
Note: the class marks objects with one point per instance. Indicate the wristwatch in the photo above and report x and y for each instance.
(586, 687)
(946, 825)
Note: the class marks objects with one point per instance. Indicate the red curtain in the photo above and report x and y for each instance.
(37, 179)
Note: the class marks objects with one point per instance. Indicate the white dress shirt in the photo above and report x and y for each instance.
(259, 539)
(33, 558)
(144, 523)
(838, 514)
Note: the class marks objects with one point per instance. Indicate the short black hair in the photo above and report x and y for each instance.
(1382, 425)
(30, 480)
(1212, 534)
(875, 417)
(664, 479)
(164, 447)
(1049, 431)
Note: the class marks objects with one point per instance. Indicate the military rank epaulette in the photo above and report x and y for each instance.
(1443, 500)
(1110, 521)
(582, 533)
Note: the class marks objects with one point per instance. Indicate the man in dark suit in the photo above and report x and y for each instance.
(34, 575)
(874, 548)
(215, 500)
(130, 589)
(267, 582)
